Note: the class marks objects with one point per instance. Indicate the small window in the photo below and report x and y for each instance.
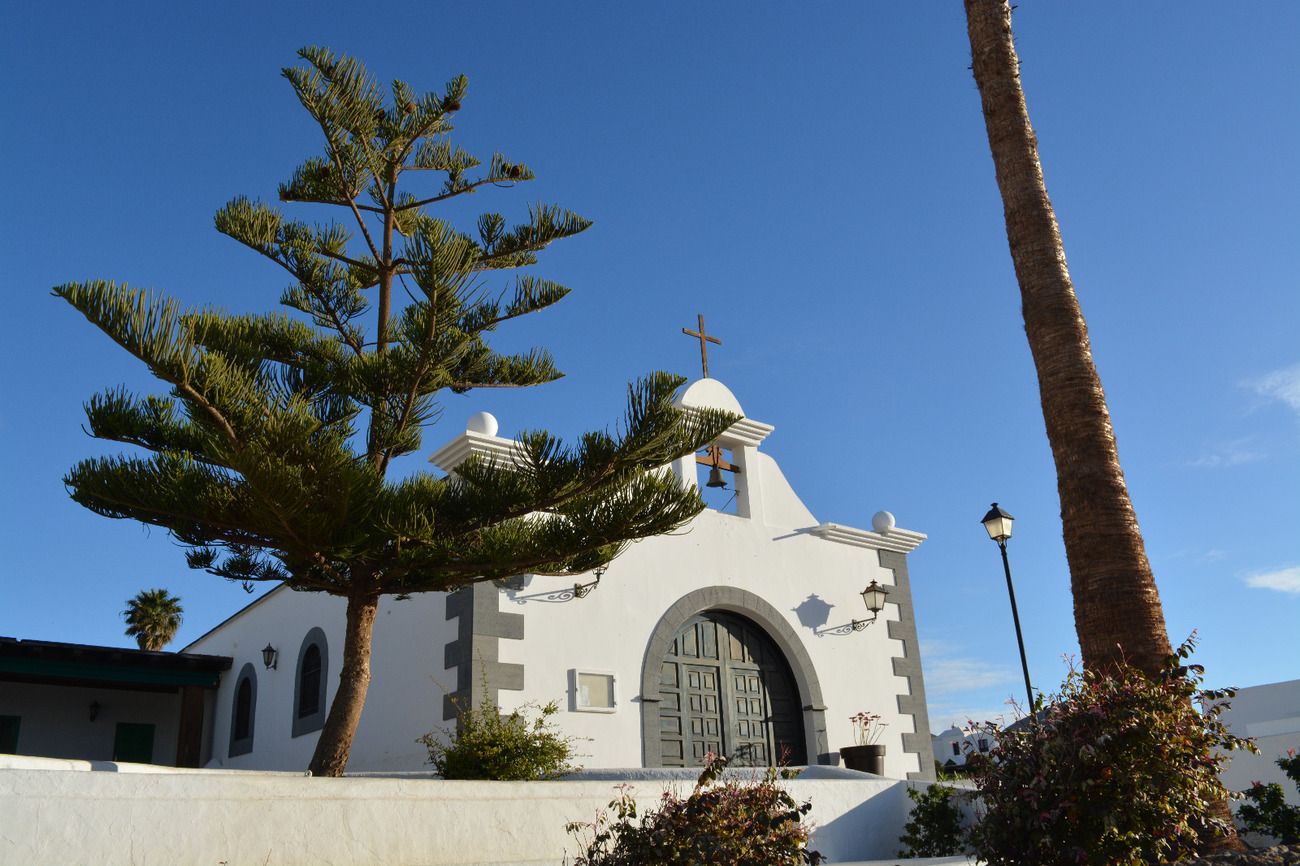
(243, 715)
(593, 691)
(309, 684)
(9, 734)
(956, 748)
(984, 745)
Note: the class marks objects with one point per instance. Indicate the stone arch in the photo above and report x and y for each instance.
(771, 620)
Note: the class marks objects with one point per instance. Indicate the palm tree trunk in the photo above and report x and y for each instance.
(335, 743)
(1117, 611)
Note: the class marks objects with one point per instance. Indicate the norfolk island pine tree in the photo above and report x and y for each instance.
(268, 456)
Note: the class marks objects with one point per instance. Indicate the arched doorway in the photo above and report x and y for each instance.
(725, 687)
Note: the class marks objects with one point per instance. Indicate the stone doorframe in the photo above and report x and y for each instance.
(750, 606)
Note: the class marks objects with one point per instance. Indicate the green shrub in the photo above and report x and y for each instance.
(934, 826)
(754, 823)
(1119, 769)
(1268, 812)
(489, 744)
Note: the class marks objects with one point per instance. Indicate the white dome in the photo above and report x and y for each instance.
(482, 422)
(709, 394)
(882, 522)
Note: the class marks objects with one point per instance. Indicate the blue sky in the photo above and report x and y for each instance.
(815, 179)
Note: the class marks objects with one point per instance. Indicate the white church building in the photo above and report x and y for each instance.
(742, 633)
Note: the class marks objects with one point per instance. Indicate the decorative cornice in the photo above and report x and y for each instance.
(896, 540)
(470, 443)
(746, 431)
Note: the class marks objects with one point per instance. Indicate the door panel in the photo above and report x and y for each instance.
(726, 688)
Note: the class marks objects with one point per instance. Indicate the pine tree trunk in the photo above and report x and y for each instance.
(1117, 611)
(335, 743)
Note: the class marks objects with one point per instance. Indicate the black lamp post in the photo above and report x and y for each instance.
(998, 523)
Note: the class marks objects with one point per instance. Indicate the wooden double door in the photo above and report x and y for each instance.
(725, 687)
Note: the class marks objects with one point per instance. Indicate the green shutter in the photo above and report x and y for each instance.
(9, 734)
(133, 743)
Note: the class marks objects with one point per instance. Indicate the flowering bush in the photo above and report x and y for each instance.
(1268, 812)
(1118, 769)
(934, 827)
(737, 823)
(488, 744)
(867, 727)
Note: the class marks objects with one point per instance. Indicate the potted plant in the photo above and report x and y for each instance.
(869, 754)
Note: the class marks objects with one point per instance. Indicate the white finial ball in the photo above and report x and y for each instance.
(482, 422)
(882, 521)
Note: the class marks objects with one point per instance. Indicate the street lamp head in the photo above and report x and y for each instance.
(998, 523)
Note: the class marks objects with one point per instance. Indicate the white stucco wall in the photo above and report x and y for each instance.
(407, 679)
(55, 720)
(1271, 714)
(609, 629)
(57, 816)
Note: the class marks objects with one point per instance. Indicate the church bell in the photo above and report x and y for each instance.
(715, 478)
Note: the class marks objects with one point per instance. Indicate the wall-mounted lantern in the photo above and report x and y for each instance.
(874, 598)
(269, 656)
(582, 590)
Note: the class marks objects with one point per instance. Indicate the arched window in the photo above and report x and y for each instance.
(243, 714)
(309, 684)
(244, 710)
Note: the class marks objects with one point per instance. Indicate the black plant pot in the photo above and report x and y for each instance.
(868, 759)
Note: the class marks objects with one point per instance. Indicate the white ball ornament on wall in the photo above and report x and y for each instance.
(482, 422)
(882, 522)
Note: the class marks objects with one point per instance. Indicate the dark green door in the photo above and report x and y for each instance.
(725, 687)
(9, 734)
(133, 743)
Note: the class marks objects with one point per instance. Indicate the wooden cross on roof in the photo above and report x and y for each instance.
(704, 339)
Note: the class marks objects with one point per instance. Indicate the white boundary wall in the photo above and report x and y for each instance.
(56, 812)
(1271, 714)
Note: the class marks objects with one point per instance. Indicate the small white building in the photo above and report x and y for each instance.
(735, 635)
(1271, 715)
(953, 746)
(94, 703)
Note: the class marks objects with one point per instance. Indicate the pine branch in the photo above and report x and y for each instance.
(546, 474)
(347, 260)
(151, 331)
(444, 196)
